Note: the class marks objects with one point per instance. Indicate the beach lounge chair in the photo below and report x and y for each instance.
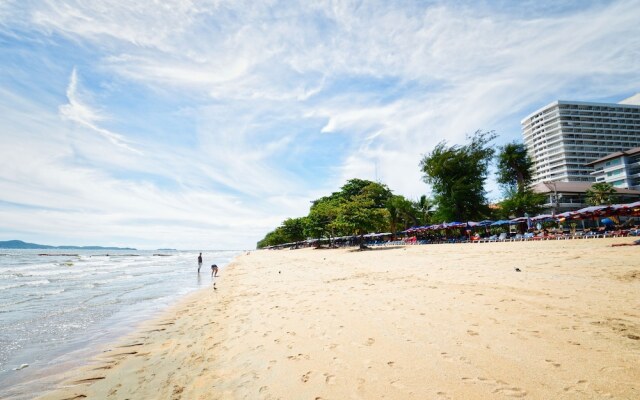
(502, 237)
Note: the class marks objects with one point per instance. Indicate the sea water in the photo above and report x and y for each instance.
(58, 306)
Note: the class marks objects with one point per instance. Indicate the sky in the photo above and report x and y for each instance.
(204, 124)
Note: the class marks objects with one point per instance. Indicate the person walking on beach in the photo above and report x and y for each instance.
(214, 270)
(199, 262)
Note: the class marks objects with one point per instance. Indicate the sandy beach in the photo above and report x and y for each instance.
(418, 322)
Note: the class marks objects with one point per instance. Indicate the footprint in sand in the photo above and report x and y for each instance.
(89, 380)
(329, 379)
(305, 378)
(511, 391)
(555, 364)
(177, 392)
(397, 384)
(298, 357)
(370, 341)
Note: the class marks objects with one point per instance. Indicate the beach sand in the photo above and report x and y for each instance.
(418, 322)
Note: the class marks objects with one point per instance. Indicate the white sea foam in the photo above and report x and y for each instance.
(45, 301)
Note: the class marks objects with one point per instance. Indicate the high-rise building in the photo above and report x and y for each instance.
(565, 136)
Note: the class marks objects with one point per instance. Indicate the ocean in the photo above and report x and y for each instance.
(57, 309)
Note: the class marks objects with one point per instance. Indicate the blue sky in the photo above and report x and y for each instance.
(204, 124)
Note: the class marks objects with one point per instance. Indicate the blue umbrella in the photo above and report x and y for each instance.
(485, 223)
(501, 222)
(607, 221)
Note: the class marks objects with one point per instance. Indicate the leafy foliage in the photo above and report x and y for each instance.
(402, 213)
(515, 167)
(294, 228)
(515, 173)
(518, 203)
(457, 175)
(600, 193)
(359, 215)
(321, 218)
(425, 208)
(359, 207)
(275, 237)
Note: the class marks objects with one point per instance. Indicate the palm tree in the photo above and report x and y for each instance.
(425, 207)
(600, 193)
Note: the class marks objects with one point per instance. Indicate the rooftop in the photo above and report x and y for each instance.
(617, 154)
(573, 187)
(631, 102)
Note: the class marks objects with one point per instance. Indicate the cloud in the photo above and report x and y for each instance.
(79, 112)
(212, 119)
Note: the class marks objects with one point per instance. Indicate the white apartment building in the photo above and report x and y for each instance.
(565, 137)
(621, 169)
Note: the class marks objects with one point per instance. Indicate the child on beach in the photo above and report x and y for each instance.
(214, 270)
(199, 262)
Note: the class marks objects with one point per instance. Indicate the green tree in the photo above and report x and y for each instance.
(402, 213)
(515, 172)
(600, 193)
(357, 208)
(457, 175)
(518, 203)
(515, 167)
(360, 215)
(273, 238)
(291, 231)
(424, 206)
(377, 192)
(321, 218)
(294, 229)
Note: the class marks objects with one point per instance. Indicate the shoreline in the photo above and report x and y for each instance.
(410, 322)
(38, 370)
(83, 356)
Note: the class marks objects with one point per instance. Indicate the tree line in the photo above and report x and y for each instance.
(457, 175)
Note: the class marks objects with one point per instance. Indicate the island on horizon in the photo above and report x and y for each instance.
(19, 244)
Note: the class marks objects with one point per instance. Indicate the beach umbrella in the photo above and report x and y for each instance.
(624, 209)
(501, 222)
(607, 221)
(486, 222)
(542, 217)
(593, 210)
(565, 215)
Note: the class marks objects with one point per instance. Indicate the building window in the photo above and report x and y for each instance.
(621, 182)
(616, 172)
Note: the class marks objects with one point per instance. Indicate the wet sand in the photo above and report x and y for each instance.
(418, 322)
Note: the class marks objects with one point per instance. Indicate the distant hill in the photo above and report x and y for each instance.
(19, 244)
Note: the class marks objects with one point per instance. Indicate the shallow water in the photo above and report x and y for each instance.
(55, 310)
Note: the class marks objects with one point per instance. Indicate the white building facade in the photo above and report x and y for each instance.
(564, 138)
(620, 169)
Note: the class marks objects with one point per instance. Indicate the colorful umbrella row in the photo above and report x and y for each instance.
(631, 209)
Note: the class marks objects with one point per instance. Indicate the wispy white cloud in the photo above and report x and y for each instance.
(278, 103)
(79, 112)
